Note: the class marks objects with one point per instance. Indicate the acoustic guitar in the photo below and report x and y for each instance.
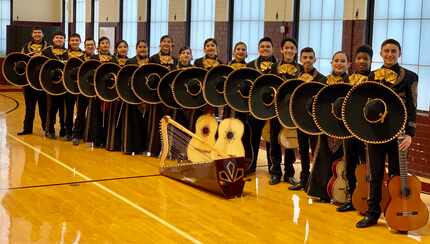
(229, 142)
(287, 138)
(406, 211)
(362, 190)
(206, 127)
(337, 185)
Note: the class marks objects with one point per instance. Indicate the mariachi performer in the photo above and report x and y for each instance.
(32, 96)
(185, 56)
(97, 114)
(328, 149)
(404, 82)
(114, 138)
(135, 129)
(56, 103)
(355, 152)
(266, 64)
(306, 74)
(82, 101)
(211, 55)
(240, 53)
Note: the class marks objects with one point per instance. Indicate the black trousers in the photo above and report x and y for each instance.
(56, 104)
(255, 129)
(377, 155)
(354, 155)
(31, 98)
(276, 154)
(304, 141)
(69, 101)
(79, 125)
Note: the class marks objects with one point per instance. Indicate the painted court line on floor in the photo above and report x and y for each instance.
(113, 193)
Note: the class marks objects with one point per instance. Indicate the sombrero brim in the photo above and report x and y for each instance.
(180, 93)
(283, 102)
(300, 113)
(54, 88)
(8, 69)
(264, 85)
(322, 110)
(71, 75)
(373, 133)
(213, 85)
(145, 82)
(123, 84)
(106, 92)
(232, 96)
(165, 90)
(86, 75)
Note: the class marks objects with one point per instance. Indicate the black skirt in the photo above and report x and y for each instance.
(134, 130)
(114, 126)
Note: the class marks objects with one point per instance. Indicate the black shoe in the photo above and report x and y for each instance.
(291, 180)
(24, 132)
(67, 137)
(345, 207)
(367, 221)
(296, 187)
(75, 141)
(274, 179)
(50, 135)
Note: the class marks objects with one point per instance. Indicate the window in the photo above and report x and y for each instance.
(408, 22)
(4, 21)
(320, 27)
(202, 24)
(80, 20)
(66, 21)
(158, 24)
(248, 24)
(96, 20)
(129, 25)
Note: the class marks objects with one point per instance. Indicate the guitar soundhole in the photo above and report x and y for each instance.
(405, 192)
(230, 135)
(205, 130)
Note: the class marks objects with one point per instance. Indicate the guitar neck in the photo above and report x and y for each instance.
(403, 157)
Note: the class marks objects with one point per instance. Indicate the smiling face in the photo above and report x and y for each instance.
(240, 52)
(122, 49)
(74, 42)
(289, 52)
(166, 45)
(90, 47)
(142, 50)
(104, 46)
(390, 53)
(339, 63)
(362, 62)
(307, 59)
(58, 41)
(37, 35)
(185, 56)
(210, 49)
(265, 49)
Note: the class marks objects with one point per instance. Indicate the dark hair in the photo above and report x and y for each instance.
(183, 49)
(265, 39)
(365, 49)
(239, 43)
(307, 50)
(58, 33)
(210, 40)
(89, 39)
(75, 35)
(332, 57)
(289, 39)
(103, 38)
(140, 41)
(36, 28)
(119, 42)
(391, 41)
(164, 37)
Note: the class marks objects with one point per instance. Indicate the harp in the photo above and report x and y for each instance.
(224, 177)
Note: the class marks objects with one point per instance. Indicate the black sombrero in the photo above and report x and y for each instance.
(86, 74)
(123, 84)
(374, 113)
(213, 85)
(70, 80)
(51, 77)
(165, 92)
(32, 71)
(105, 81)
(262, 96)
(283, 102)
(237, 87)
(145, 81)
(327, 110)
(301, 107)
(188, 88)
(13, 69)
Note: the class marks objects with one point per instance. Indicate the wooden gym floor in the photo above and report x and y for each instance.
(53, 192)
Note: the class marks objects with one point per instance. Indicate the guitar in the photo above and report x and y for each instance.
(229, 142)
(362, 190)
(265, 133)
(206, 127)
(337, 186)
(406, 211)
(287, 138)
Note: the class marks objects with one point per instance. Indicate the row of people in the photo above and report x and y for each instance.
(134, 128)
